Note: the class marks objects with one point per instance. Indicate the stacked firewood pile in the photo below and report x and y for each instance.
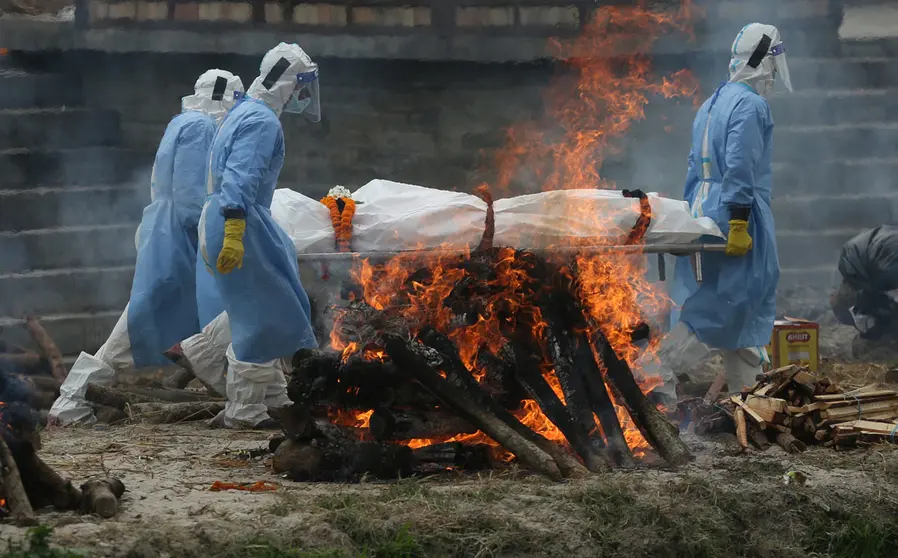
(406, 377)
(795, 408)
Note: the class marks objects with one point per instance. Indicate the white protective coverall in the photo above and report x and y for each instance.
(731, 312)
(163, 294)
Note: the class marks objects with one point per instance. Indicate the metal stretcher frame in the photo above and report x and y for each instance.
(634, 249)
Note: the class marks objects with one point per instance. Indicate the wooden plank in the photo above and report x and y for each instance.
(861, 395)
(858, 411)
(749, 413)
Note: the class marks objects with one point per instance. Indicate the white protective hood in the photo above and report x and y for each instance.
(277, 79)
(215, 92)
(758, 58)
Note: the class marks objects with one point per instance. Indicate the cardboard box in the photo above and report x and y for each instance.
(795, 341)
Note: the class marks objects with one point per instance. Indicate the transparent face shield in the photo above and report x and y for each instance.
(780, 68)
(305, 99)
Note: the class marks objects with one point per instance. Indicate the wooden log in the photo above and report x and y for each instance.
(741, 427)
(790, 443)
(757, 436)
(423, 364)
(166, 395)
(531, 377)
(657, 430)
(100, 496)
(111, 397)
(409, 425)
(332, 453)
(713, 392)
(42, 483)
(17, 501)
(453, 454)
(48, 346)
(171, 413)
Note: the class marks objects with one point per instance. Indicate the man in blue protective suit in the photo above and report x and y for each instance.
(252, 259)
(162, 308)
(731, 311)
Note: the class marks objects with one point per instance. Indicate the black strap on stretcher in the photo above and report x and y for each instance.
(645, 216)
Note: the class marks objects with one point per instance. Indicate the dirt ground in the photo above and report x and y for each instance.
(723, 504)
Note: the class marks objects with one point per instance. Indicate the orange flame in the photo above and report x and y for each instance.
(589, 113)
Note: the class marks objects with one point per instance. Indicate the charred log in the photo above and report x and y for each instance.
(329, 453)
(386, 425)
(657, 430)
(453, 454)
(48, 346)
(425, 363)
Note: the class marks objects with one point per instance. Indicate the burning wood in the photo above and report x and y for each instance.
(795, 408)
(497, 348)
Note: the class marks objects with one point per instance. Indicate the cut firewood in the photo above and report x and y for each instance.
(111, 397)
(16, 497)
(790, 443)
(48, 346)
(741, 427)
(166, 395)
(20, 360)
(101, 495)
(171, 413)
(716, 387)
(749, 412)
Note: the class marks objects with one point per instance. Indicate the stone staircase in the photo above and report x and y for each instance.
(836, 164)
(70, 199)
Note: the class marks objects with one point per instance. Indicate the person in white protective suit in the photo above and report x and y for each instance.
(162, 307)
(253, 261)
(732, 310)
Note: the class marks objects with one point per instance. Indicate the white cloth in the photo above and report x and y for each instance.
(204, 92)
(761, 77)
(252, 388)
(546, 219)
(206, 353)
(680, 351)
(280, 91)
(306, 221)
(393, 216)
(99, 369)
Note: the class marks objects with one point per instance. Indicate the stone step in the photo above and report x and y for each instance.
(66, 291)
(73, 333)
(838, 176)
(21, 168)
(42, 208)
(852, 106)
(843, 141)
(20, 90)
(89, 246)
(58, 128)
(843, 73)
(822, 213)
(801, 248)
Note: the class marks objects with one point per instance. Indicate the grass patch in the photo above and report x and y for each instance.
(37, 545)
(854, 535)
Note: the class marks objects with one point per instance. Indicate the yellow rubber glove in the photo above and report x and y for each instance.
(738, 241)
(231, 255)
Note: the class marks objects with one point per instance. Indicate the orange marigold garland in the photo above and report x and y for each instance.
(342, 207)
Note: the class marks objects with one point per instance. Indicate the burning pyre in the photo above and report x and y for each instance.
(506, 348)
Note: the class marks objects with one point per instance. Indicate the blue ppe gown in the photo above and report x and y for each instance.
(265, 301)
(735, 305)
(163, 308)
